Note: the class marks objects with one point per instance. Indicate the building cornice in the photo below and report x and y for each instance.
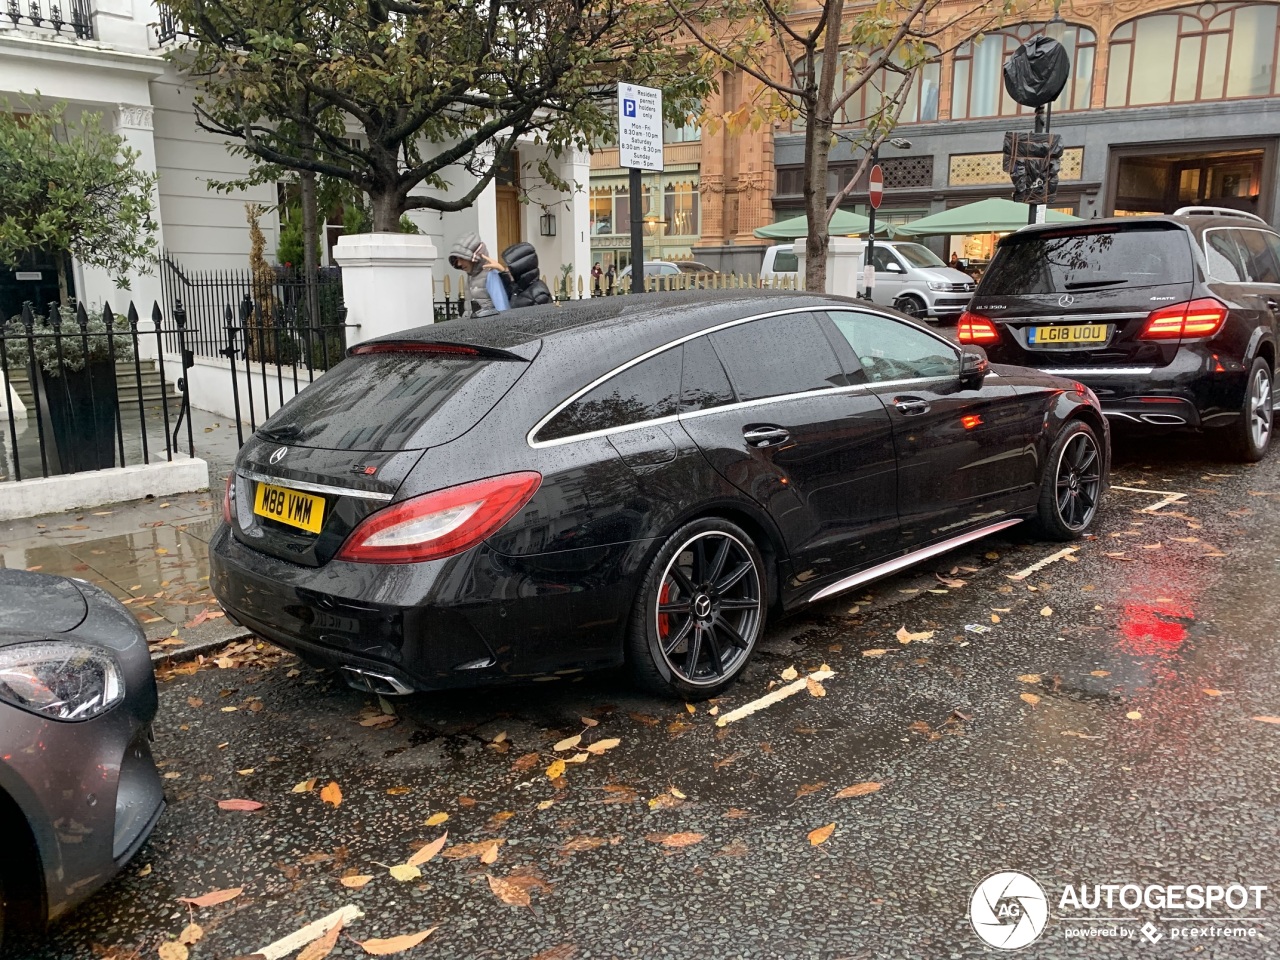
(81, 53)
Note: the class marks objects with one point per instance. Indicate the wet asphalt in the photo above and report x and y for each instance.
(1101, 731)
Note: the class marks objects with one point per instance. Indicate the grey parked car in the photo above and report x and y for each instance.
(79, 791)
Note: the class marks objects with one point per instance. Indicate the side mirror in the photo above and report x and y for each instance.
(974, 367)
(893, 267)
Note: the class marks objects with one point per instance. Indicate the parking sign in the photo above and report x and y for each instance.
(639, 127)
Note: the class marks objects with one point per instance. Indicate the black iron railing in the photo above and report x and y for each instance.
(78, 394)
(49, 14)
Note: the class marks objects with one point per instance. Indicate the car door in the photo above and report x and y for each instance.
(891, 276)
(797, 437)
(964, 458)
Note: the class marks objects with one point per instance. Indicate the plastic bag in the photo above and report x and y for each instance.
(1037, 72)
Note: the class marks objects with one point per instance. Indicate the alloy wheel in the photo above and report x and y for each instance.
(1260, 410)
(1079, 480)
(911, 307)
(709, 608)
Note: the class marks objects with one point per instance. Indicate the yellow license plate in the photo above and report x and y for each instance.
(1075, 333)
(301, 510)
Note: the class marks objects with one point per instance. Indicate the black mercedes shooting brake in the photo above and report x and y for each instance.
(639, 480)
(1170, 320)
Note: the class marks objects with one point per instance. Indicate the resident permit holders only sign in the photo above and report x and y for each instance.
(639, 127)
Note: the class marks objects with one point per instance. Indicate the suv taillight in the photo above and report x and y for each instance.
(1195, 318)
(441, 523)
(975, 328)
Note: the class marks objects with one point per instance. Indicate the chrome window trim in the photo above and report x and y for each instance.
(1097, 371)
(1073, 317)
(309, 487)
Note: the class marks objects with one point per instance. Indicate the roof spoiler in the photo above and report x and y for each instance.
(432, 347)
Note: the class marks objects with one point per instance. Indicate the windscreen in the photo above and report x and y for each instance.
(1095, 259)
(393, 401)
(918, 255)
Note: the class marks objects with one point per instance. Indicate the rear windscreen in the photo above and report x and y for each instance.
(1100, 259)
(393, 401)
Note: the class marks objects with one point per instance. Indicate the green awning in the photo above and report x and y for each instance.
(994, 215)
(843, 224)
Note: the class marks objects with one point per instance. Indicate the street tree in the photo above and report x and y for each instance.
(815, 63)
(390, 95)
(71, 187)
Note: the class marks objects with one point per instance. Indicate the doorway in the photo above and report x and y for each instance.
(1162, 181)
(507, 186)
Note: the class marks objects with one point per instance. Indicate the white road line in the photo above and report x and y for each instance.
(1169, 497)
(769, 699)
(312, 931)
(1041, 564)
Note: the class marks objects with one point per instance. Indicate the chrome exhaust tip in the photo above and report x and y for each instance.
(1164, 419)
(370, 682)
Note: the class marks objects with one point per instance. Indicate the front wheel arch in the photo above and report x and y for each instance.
(22, 893)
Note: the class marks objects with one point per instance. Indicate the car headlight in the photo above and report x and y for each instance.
(939, 285)
(64, 681)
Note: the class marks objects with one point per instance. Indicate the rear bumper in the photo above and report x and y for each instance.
(480, 617)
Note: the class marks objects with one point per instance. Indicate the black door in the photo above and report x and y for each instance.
(797, 438)
(964, 459)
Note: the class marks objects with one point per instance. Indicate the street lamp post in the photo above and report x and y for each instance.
(902, 143)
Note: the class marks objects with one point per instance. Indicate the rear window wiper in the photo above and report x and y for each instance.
(1083, 284)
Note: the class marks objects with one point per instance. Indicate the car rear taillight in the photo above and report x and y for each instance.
(1195, 318)
(441, 523)
(975, 328)
(226, 497)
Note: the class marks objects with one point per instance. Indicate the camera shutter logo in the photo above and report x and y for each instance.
(1008, 910)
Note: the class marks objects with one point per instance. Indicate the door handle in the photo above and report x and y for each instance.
(765, 436)
(1274, 305)
(911, 406)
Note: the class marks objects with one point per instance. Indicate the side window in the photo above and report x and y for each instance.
(1224, 256)
(889, 350)
(1259, 262)
(1273, 242)
(645, 391)
(704, 383)
(881, 257)
(785, 261)
(778, 355)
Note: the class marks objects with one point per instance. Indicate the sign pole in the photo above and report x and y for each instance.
(636, 177)
(875, 193)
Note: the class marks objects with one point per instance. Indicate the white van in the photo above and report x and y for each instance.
(781, 267)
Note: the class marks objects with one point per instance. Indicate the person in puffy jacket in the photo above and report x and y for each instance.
(527, 288)
(486, 291)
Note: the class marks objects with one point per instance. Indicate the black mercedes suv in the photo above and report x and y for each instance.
(1171, 320)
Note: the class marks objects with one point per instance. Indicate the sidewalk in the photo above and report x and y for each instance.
(153, 555)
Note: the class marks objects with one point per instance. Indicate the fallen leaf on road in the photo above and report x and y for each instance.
(662, 801)
(568, 743)
(172, 951)
(1268, 719)
(356, 882)
(950, 581)
(194, 702)
(145, 871)
(546, 804)
(1120, 556)
(736, 813)
(906, 636)
(578, 844)
(1134, 714)
(814, 687)
(675, 792)
(239, 805)
(1030, 698)
(578, 758)
(399, 791)
(245, 772)
(436, 819)
(1099, 673)
(462, 851)
(427, 851)
(524, 762)
(507, 892)
(821, 835)
(1210, 692)
(691, 708)
(213, 897)
(994, 618)
(858, 790)
(600, 746)
(644, 718)
(405, 872)
(588, 722)
(1046, 611)
(556, 770)
(736, 849)
(378, 947)
(874, 653)
(808, 788)
(319, 949)
(1030, 678)
(500, 737)
(563, 951)
(676, 840)
(789, 674)
(380, 720)
(191, 933)
(332, 794)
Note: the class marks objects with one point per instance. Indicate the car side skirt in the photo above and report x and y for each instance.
(907, 560)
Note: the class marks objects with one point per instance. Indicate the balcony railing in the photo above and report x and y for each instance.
(49, 13)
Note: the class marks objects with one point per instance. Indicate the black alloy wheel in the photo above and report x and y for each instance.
(1248, 439)
(700, 612)
(912, 306)
(1072, 484)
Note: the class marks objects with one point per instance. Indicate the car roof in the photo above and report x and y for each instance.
(1195, 222)
(657, 314)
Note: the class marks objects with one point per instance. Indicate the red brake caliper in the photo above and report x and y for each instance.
(664, 621)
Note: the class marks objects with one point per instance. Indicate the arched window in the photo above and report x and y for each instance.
(920, 105)
(1214, 51)
(978, 84)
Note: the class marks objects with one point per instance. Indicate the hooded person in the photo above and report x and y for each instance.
(486, 291)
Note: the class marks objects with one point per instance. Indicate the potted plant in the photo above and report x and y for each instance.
(77, 382)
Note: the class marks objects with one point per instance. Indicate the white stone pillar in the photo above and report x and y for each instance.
(386, 282)
(844, 264)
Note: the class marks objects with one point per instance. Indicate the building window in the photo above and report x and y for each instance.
(1207, 52)
(876, 95)
(688, 132)
(981, 169)
(978, 83)
(680, 209)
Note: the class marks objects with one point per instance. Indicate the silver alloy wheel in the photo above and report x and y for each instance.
(1079, 481)
(709, 608)
(1260, 412)
(912, 307)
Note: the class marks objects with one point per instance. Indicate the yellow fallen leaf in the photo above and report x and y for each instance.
(790, 674)
(588, 722)
(546, 804)
(356, 882)
(172, 951)
(145, 871)
(508, 892)
(1030, 678)
(821, 835)
(490, 854)
(1030, 698)
(676, 840)
(190, 934)
(378, 947)
(332, 794)
(1099, 673)
(568, 743)
(556, 770)
(691, 708)
(1046, 611)
(1134, 714)
(874, 653)
(405, 872)
(578, 758)
(906, 636)
(1267, 719)
(436, 819)
(814, 687)
(1210, 692)
(321, 948)
(427, 851)
(245, 772)
(995, 618)
(675, 792)
(399, 791)
(213, 897)
(662, 801)
(500, 737)
(600, 746)
(858, 790)
(306, 786)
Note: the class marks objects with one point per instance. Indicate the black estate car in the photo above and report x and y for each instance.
(638, 479)
(1171, 320)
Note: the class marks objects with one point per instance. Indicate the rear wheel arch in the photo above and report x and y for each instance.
(1267, 350)
(763, 534)
(21, 873)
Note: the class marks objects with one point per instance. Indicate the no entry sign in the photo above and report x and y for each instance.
(875, 186)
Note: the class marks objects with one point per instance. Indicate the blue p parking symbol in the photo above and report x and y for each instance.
(628, 108)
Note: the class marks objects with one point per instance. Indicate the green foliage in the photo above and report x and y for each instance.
(72, 187)
(427, 84)
(53, 352)
(289, 248)
(408, 226)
